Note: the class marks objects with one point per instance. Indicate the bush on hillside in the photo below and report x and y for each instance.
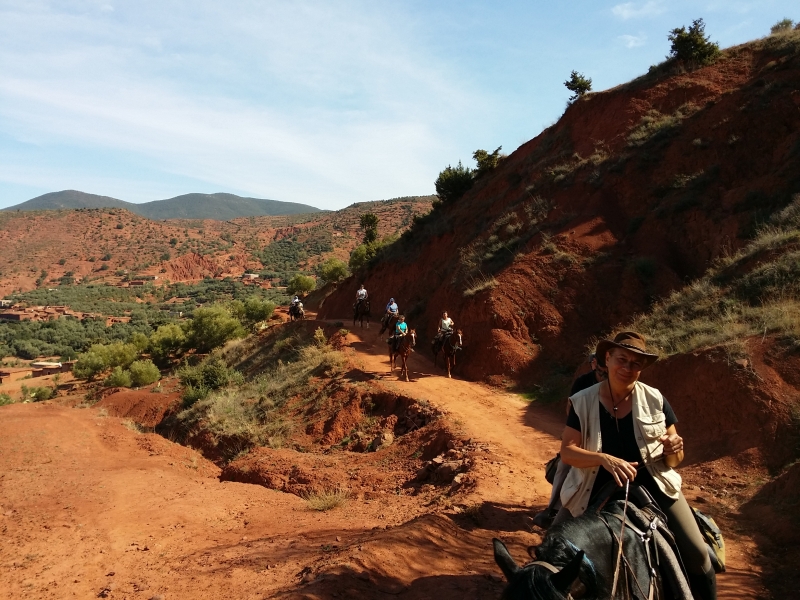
(212, 327)
(693, 45)
(166, 341)
(143, 372)
(453, 183)
(578, 85)
(301, 284)
(257, 310)
(118, 378)
(333, 270)
(486, 161)
(5, 399)
(782, 26)
(101, 357)
(209, 375)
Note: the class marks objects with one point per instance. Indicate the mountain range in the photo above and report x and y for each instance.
(221, 207)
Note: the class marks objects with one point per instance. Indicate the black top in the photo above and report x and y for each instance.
(583, 382)
(622, 444)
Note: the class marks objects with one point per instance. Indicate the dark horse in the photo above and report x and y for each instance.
(388, 323)
(296, 311)
(403, 349)
(449, 345)
(361, 310)
(578, 559)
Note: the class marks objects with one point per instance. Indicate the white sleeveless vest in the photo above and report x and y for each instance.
(649, 425)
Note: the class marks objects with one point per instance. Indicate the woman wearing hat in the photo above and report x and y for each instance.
(622, 430)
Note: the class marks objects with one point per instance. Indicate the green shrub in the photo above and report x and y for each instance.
(166, 340)
(486, 162)
(692, 45)
(118, 378)
(143, 372)
(369, 224)
(212, 327)
(301, 284)
(453, 183)
(211, 374)
(5, 399)
(781, 26)
(192, 394)
(333, 270)
(578, 85)
(257, 310)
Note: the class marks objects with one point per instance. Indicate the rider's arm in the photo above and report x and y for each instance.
(575, 456)
(673, 447)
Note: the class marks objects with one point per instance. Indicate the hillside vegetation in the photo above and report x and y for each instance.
(115, 245)
(633, 192)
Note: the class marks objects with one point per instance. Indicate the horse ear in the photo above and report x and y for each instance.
(504, 560)
(563, 580)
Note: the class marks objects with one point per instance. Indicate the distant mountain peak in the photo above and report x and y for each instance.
(219, 206)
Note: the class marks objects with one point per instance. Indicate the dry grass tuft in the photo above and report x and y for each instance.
(325, 500)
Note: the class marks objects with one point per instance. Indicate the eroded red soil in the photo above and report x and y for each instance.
(92, 508)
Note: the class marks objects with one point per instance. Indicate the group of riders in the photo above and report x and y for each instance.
(392, 313)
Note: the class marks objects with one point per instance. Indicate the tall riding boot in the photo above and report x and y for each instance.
(704, 586)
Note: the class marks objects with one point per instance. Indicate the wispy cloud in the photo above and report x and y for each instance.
(292, 102)
(633, 41)
(633, 10)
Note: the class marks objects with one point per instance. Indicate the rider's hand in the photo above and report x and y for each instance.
(621, 470)
(673, 443)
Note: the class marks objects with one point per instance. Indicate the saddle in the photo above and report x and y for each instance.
(649, 525)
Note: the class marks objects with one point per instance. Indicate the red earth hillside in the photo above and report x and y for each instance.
(633, 192)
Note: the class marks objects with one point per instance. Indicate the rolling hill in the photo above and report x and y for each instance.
(109, 244)
(221, 207)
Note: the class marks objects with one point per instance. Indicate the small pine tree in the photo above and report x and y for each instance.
(486, 162)
(693, 45)
(578, 85)
(781, 26)
(453, 183)
(369, 223)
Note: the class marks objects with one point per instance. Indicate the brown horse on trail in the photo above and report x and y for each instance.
(361, 310)
(404, 346)
(449, 345)
(388, 324)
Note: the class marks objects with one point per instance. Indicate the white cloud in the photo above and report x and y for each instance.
(632, 10)
(294, 102)
(633, 41)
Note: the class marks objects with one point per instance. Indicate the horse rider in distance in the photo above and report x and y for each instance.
(400, 330)
(361, 296)
(391, 311)
(446, 327)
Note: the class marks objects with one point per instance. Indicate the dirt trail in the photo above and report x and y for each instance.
(91, 508)
(500, 419)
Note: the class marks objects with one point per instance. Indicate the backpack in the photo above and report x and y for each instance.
(713, 538)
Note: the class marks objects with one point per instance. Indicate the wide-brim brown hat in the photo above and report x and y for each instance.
(627, 340)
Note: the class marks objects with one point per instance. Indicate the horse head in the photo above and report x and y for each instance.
(539, 580)
(413, 335)
(459, 340)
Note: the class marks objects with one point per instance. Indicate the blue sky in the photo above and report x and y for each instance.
(321, 102)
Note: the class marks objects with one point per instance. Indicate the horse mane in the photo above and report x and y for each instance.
(559, 551)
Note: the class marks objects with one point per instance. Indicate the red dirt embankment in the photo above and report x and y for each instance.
(145, 407)
(634, 191)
